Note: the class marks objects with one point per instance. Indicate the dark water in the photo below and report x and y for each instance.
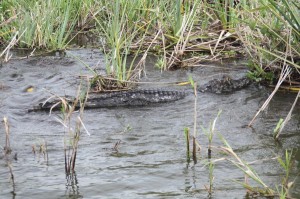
(151, 157)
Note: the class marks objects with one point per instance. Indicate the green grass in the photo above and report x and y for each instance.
(46, 24)
(210, 132)
(249, 172)
(181, 32)
(120, 29)
(273, 32)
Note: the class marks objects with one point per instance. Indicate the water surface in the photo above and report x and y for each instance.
(151, 157)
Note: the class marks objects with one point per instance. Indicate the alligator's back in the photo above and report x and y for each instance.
(133, 98)
(122, 98)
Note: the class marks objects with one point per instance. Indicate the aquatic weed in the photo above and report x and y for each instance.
(72, 135)
(7, 150)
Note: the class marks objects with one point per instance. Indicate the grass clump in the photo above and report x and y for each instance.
(72, 135)
(271, 35)
(46, 24)
(119, 31)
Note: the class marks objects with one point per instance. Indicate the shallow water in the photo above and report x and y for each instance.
(151, 158)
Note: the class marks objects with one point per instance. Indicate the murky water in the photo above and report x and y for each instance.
(151, 158)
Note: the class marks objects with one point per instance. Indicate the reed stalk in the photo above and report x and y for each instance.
(7, 152)
(211, 167)
(210, 133)
(288, 117)
(7, 148)
(119, 32)
(194, 85)
(187, 140)
(72, 136)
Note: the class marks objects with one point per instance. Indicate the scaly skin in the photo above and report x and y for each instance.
(123, 98)
(133, 98)
(225, 85)
(146, 97)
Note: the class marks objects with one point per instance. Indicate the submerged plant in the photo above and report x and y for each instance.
(41, 149)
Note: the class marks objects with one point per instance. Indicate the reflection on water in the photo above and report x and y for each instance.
(150, 159)
(72, 186)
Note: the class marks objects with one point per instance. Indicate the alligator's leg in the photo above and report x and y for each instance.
(225, 85)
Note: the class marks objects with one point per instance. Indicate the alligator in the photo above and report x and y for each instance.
(146, 97)
(119, 98)
(225, 85)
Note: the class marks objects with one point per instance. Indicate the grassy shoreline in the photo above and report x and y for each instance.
(181, 32)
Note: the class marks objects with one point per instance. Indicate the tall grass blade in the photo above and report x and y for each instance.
(284, 73)
(289, 116)
(243, 166)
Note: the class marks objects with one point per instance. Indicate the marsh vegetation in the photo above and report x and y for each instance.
(182, 32)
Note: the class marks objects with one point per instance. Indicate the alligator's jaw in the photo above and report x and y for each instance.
(225, 85)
